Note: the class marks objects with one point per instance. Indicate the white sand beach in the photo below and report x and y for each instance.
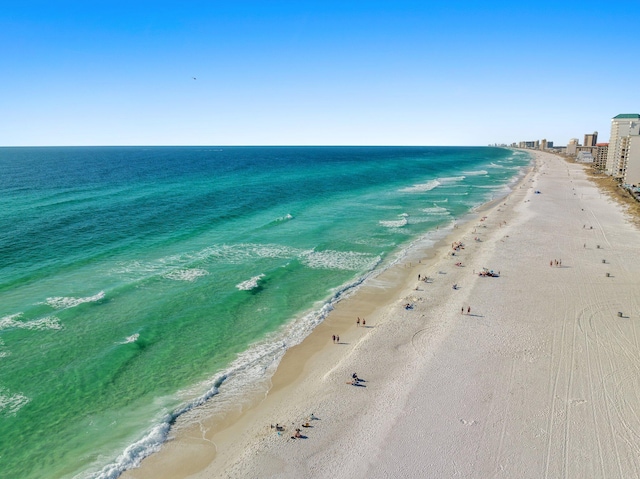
(541, 379)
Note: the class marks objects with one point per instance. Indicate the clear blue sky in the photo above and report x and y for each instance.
(314, 73)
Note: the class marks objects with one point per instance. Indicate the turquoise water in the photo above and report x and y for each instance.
(136, 283)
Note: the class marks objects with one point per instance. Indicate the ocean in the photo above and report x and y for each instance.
(137, 283)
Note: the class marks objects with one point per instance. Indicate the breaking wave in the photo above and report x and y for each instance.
(185, 274)
(421, 187)
(250, 284)
(10, 403)
(49, 322)
(65, 302)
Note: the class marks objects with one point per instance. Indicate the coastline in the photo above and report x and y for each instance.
(538, 379)
(195, 450)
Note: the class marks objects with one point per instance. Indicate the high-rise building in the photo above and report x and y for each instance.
(572, 146)
(591, 139)
(543, 144)
(632, 171)
(601, 156)
(622, 127)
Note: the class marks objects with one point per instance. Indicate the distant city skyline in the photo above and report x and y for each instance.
(313, 73)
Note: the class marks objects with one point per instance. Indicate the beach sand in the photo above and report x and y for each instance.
(540, 379)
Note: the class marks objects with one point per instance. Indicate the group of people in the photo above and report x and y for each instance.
(556, 262)
(487, 272)
(355, 380)
(336, 338)
(298, 432)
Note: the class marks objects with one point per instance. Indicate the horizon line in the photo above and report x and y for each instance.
(253, 146)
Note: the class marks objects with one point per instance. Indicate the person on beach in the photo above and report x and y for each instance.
(469, 310)
(334, 338)
(462, 310)
(358, 321)
(337, 339)
(364, 322)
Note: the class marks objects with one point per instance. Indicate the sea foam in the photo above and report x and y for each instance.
(133, 455)
(130, 339)
(65, 302)
(48, 322)
(436, 211)
(451, 179)
(10, 403)
(394, 223)
(286, 217)
(185, 274)
(421, 187)
(344, 260)
(476, 173)
(250, 283)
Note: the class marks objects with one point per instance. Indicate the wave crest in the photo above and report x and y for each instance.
(65, 302)
(344, 260)
(130, 339)
(286, 217)
(185, 274)
(436, 211)
(49, 322)
(421, 187)
(451, 179)
(250, 284)
(10, 403)
(394, 223)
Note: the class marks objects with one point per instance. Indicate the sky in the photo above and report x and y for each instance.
(325, 72)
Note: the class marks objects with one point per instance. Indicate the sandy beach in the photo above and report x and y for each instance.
(531, 374)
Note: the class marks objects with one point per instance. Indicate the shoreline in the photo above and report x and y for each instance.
(193, 447)
(539, 378)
